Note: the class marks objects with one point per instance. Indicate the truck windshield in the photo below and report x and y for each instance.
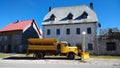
(65, 44)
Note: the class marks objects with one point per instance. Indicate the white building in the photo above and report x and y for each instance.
(68, 23)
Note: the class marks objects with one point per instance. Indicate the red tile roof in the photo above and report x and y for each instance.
(20, 25)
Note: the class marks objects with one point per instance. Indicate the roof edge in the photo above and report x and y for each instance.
(69, 23)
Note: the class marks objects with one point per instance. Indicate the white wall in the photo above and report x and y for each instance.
(73, 38)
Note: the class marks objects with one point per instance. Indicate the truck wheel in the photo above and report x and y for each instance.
(71, 56)
(39, 55)
(34, 55)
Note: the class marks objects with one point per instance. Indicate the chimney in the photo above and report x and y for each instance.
(50, 8)
(91, 5)
(17, 21)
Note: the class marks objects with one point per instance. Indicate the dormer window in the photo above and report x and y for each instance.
(52, 17)
(70, 16)
(84, 15)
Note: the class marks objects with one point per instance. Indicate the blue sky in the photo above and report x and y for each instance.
(108, 11)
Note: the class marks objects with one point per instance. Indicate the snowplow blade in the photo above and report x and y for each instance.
(85, 55)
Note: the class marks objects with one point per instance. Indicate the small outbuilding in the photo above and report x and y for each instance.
(109, 42)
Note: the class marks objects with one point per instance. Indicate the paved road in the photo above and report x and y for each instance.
(58, 63)
(21, 65)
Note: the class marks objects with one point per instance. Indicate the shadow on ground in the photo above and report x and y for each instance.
(32, 58)
(19, 58)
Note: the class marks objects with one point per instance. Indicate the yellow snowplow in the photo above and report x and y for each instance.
(51, 46)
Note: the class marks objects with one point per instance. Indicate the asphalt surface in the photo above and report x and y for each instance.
(29, 62)
(23, 65)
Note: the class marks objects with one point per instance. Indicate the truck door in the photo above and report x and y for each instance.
(64, 47)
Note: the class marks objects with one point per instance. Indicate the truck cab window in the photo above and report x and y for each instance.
(58, 46)
(69, 44)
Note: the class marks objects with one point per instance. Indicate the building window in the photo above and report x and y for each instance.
(48, 31)
(16, 36)
(57, 31)
(77, 30)
(70, 16)
(110, 46)
(5, 38)
(52, 17)
(84, 15)
(67, 31)
(0, 38)
(90, 46)
(89, 30)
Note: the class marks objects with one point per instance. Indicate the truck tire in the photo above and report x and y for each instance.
(39, 55)
(71, 56)
(34, 55)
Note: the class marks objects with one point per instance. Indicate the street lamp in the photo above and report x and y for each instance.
(83, 41)
(83, 45)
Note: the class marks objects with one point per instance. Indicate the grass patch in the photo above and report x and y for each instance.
(84, 61)
(105, 56)
(3, 55)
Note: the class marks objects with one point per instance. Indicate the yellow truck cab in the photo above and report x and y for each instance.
(69, 50)
(50, 46)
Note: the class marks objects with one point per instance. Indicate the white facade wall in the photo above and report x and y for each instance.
(72, 38)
